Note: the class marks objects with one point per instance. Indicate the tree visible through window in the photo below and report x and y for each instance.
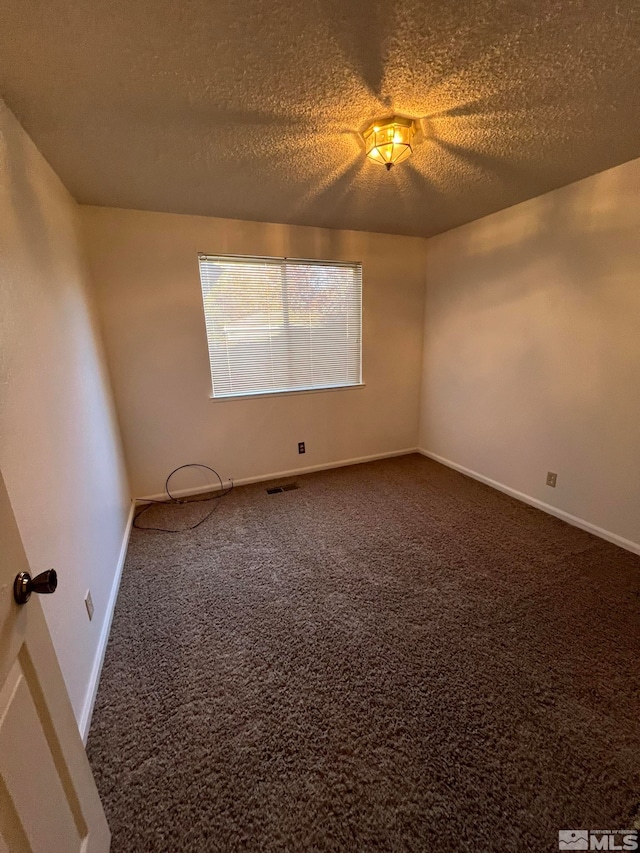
(276, 324)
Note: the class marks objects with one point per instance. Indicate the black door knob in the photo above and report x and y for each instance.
(44, 584)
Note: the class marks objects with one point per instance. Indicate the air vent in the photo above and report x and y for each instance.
(289, 487)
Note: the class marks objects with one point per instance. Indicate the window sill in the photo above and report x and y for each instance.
(267, 394)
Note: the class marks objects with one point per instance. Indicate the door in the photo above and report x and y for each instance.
(48, 798)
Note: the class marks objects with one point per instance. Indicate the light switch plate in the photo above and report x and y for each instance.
(89, 604)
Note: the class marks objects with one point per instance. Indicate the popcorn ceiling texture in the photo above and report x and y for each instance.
(251, 110)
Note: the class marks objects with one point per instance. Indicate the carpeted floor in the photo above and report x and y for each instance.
(393, 657)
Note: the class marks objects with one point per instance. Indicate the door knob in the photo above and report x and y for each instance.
(44, 584)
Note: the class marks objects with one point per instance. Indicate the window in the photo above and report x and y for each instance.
(276, 324)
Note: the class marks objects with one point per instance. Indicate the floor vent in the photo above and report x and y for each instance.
(277, 489)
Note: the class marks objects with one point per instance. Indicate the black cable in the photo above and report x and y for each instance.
(171, 499)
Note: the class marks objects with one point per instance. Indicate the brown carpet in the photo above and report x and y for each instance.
(393, 657)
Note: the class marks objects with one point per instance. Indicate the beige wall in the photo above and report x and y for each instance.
(146, 273)
(59, 447)
(532, 349)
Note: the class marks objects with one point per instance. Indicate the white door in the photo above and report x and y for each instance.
(48, 798)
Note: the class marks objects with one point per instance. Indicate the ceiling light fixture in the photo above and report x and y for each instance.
(389, 140)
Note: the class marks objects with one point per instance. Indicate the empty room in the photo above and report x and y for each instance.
(319, 426)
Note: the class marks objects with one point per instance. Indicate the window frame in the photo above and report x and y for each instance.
(225, 398)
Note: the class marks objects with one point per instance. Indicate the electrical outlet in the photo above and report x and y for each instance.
(301, 447)
(89, 605)
(551, 479)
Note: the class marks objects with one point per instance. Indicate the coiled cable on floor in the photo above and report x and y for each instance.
(173, 500)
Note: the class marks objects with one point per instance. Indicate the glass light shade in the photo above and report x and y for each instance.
(389, 141)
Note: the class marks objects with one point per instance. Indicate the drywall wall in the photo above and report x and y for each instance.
(145, 268)
(532, 349)
(59, 446)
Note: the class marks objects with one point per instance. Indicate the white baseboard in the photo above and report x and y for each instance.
(87, 712)
(278, 475)
(627, 544)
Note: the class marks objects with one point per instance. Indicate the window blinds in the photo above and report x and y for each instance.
(276, 324)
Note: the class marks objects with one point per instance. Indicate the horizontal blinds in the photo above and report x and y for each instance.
(277, 324)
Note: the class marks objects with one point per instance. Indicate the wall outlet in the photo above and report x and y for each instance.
(551, 479)
(301, 447)
(89, 605)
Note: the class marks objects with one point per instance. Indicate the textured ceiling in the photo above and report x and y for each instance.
(250, 110)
